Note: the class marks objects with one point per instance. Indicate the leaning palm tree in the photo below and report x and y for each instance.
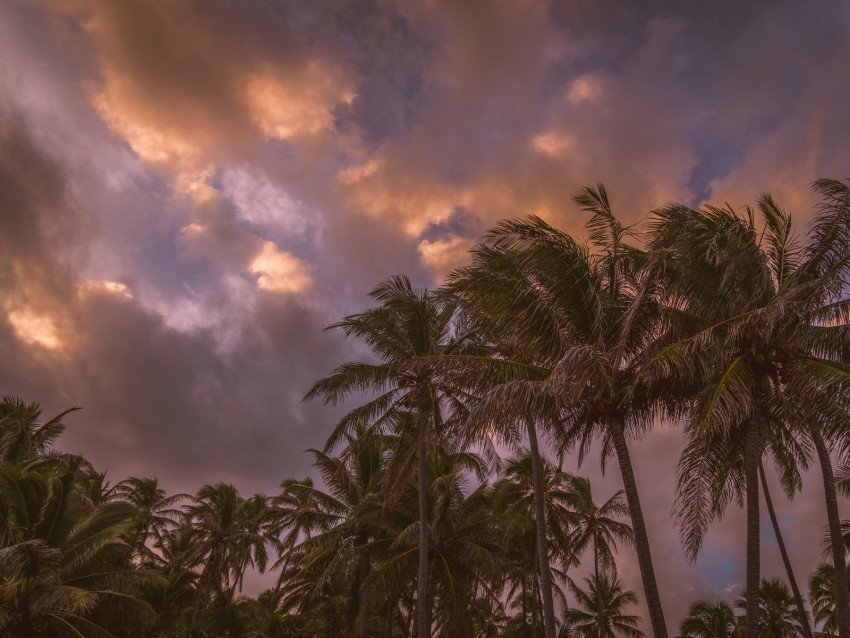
(778, 616)
(599, 609)
(763, 328)
(565, 313)
(408, 326)
(709, 620)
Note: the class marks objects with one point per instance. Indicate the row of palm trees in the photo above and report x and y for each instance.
(81, 557)
(717, 320)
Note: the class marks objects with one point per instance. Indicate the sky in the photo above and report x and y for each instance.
(192, 190)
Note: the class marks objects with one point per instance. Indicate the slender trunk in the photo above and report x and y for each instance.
(616, 425)
(798, 599)
(359, 592)
(535, 605)
(841, 599)
(751, 460)
(596, 575)
(549, 628)
(423, 629)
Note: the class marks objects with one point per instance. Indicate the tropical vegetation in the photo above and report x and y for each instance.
(447, 501)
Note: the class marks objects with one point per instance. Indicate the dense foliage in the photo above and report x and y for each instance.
(721, 322)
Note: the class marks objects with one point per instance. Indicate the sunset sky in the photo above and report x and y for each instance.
(192, 190)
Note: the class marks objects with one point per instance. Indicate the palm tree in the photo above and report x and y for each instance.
(24, 441)
(599, 610)
(59, 561)
(789, 571)
(465, 554)
(220, 534)
(155, 512)
(763, 324)
(407, 326)
(329, 532)
(515, 498)
(567, 318)
(709, 620)
(822, 598)
(778, 617)
(596, 526)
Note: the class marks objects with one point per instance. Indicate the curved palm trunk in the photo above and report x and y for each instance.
(841, 598)
(616, 426)
(423, 624)
(798, 599)
(751, 457)
(549, 628)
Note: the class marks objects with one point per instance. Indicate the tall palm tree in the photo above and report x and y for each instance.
(709, 620)
(567, 315)
(763, 325)
(778, 617)
(465, 554)
(407, 326)
(606, 619)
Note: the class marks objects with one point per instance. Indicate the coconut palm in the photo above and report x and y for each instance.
(329, 532)
(465, 555)
(60, 561)
(778, 616)
(25, 442)
(599, 610)
(222, 539)
(566, 315)
(709, 620)
(407, 326)
(515, 499)
(763, 327)
(822, 598)
(786, 561)
(596, 526)
(155, 513)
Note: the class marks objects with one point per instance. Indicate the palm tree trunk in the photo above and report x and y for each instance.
(359, 589)
(596, 575)
(751, 459)
(840, 568)
(423, 629)
(616, 426)
(549, 628)
(798, 599)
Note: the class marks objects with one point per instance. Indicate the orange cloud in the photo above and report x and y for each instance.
(279, 271)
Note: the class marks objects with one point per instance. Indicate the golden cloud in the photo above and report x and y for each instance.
(34, 328)
(287, 106)
(279, 271)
